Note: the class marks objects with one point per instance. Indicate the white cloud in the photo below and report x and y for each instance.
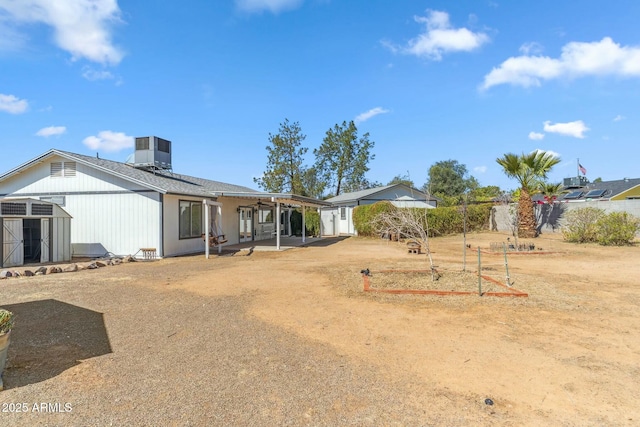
(12, 104)
(440, 37)
(51, 131)
(531, 48)
(575, 129)
(552, 153)
(536, 136)
(577, 59)
(93, 75)
(369, 114)
(618, 118)
(81, 27)
(273, 6)
(109, 141)
(480, 169)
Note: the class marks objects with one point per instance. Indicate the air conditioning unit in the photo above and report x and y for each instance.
(575, 182)
(152, 152)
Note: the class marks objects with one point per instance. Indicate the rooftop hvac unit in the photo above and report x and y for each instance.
(575, 182)
(152, 152)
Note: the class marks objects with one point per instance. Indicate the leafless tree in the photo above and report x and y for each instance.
(410, 224)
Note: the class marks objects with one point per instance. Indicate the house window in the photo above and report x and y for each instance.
(58, 200)
(63, 169)
(343, 213)
(190, 219)
(265, 215)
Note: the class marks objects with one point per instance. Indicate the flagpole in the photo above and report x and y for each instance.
(578, 169)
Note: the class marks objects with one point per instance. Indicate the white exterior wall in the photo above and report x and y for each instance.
(116, 223)
(173, 245)
(329, 218)
(61, 242)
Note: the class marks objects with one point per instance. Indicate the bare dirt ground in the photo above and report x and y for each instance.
(290, 338)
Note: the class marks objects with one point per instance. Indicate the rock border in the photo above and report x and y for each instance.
(6, 273)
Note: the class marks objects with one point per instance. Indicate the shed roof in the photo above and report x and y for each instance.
(370, 193)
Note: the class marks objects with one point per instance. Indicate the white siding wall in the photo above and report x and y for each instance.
(120, 223)
(61, 243)
(329, 217)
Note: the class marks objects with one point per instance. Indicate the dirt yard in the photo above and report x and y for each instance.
(290, 338)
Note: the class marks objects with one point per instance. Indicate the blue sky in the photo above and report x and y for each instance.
(429, 80)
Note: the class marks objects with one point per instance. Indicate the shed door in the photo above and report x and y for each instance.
(12, 246)
(44, 240)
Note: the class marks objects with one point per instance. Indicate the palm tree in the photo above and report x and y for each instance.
(550, 191)
(530, 170)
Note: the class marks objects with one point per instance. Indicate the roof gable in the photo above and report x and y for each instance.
(161, 181)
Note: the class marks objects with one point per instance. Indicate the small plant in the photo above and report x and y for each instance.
(6, 321)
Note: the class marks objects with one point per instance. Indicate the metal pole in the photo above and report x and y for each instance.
(479, 273)
(506, 264)
(464, 239)
(304, 226)
(278, 225)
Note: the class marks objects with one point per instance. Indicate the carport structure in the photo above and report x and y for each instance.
(289, 201)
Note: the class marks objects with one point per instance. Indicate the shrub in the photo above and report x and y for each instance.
(592, 225)
(311, 223)
(617, 229)
(364, 215)
(440, 221)
(580, 225)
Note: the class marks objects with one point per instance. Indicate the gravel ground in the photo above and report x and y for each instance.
(290, 338)
(97, 350)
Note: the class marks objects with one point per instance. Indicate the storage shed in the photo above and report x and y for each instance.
(33, 231)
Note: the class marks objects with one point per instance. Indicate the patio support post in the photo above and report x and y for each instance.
(304, 228)
(278, 225)
(320, 216)
(206, 228)
(219, 222)
(289, 221)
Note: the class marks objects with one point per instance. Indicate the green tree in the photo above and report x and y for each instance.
(342, 158)
(402, 179)
(529, 170)
(449, 180)
(486, 194)
(285, 170)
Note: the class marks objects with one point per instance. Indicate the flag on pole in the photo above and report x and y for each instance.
(582, 169)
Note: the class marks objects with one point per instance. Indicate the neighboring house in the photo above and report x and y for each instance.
(120, 208)
(338, 219)
(581, 191)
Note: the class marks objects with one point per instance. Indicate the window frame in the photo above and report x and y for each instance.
(194, 230)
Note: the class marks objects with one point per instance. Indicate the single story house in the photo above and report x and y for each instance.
(338, 219)
(119, 208)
